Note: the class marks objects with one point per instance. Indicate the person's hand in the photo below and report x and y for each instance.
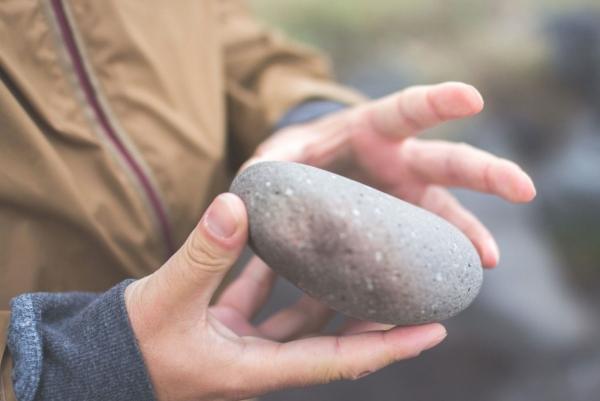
(194, 351)
(375, 143)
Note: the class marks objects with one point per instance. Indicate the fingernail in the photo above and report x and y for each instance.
(495, 251)
(533, 189)
(436, 340)
(220, 219)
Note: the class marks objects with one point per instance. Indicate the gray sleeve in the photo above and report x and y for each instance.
(308, 111)
(76, 346)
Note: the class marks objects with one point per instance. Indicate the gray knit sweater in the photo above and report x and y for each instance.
(76, 346)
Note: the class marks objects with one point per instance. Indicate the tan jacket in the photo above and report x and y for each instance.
(119, 122)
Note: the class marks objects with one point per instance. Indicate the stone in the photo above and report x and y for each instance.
(362, 252)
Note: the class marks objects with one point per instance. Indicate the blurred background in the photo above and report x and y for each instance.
(532, 334)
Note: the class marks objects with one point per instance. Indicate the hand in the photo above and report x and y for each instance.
(375, 143)
(196, 352)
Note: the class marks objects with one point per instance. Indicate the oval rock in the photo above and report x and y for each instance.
(360, 251)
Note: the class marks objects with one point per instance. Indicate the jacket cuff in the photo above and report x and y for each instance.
(75, 346)
(309, 111)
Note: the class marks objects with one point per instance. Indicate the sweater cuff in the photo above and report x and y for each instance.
(308, 111)
(75, 346)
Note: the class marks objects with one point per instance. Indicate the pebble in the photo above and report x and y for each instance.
(362, 252)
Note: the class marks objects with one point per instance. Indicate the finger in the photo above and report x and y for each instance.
(417, 108)
(461, 165)
(288, 144)
(231, 319)
(441, 202)
(353, 326)
(306, 316)
(190, 277)
(248, 293)
(319, 360)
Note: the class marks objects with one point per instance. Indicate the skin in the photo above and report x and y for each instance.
(195, 351)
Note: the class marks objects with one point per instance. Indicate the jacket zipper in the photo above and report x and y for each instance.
(149, 191)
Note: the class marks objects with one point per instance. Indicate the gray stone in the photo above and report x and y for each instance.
(360, 251)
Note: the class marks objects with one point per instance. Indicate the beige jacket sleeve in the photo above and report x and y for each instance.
(266, 75)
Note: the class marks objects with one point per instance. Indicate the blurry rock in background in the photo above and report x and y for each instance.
(532, 334)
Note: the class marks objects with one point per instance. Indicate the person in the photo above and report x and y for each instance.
(120, 122)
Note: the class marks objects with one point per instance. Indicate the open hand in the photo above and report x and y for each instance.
(375, 142)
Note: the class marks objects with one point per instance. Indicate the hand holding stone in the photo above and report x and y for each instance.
(196, 352)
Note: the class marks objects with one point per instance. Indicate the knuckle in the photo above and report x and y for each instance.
(203, 257)
(488, 178)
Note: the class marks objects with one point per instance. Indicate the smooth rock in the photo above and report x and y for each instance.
(360, 251)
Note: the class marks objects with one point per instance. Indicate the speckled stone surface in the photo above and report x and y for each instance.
(360, 251)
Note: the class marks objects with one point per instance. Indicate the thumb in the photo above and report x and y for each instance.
(191, 276)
